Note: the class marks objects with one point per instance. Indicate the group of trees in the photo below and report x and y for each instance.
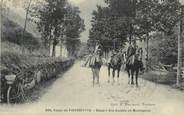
(129, 20)
(124, 20)
(163, 49)
(58, 22)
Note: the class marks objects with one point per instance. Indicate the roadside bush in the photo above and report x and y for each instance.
(35, 69)
(166, 78)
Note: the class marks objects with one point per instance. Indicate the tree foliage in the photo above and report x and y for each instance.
(74, 25)
(155, 16)
(49, 18)
(163, 49)
(56, 19)
(127, 20)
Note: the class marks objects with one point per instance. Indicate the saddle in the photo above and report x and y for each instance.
(115, 60)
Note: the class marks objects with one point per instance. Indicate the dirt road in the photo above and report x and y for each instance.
(74, 90)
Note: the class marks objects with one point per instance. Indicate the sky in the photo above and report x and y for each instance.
(86, 8)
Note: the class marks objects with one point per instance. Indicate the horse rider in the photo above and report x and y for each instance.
(131, 51)
(111, 56)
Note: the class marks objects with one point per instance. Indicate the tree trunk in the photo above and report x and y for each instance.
(147, 51)
(114, 44)
(53, 50)
(1, 22)
(61, 51)
(179, 29)
(130, 31)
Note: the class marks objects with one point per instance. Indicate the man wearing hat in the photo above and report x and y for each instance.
(98, 47)
(111, 56)
(131, 53)
(98, 51)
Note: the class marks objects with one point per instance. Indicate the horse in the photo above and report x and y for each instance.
(115, 64)
(135, 67)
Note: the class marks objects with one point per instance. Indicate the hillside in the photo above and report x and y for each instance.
(14, 16)
(12, 32)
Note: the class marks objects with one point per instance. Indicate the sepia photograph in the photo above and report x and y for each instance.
(93, 57)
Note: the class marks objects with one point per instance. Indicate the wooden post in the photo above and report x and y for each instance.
(179, 33)
(114, 44)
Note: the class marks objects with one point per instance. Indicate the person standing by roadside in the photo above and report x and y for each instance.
(96, 62)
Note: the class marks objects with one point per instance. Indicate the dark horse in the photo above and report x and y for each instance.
(135, 68)
(115, 63)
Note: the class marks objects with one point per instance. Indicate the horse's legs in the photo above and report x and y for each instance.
(132, 76)
(118, 74)
(128, 71)
(113, 74)
(109, 73)
(136, 76)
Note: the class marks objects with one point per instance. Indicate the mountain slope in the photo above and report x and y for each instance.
(31, 27)
(12, 32)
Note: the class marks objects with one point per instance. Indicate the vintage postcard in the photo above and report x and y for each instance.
(107, 57)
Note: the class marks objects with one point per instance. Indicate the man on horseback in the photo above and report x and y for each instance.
(114, 63)
(134, 63)
(131, 54)
(111, 56)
